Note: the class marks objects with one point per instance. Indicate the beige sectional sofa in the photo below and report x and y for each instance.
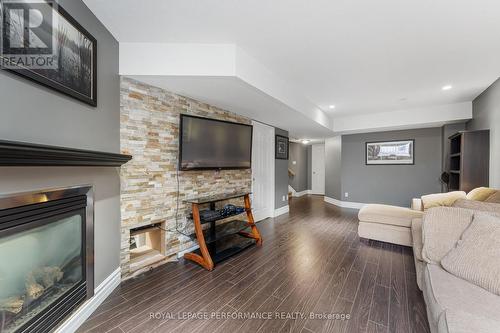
(392, 224)
(454, 304)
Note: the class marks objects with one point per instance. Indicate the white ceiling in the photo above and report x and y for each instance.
(364, 56)
(233, 94)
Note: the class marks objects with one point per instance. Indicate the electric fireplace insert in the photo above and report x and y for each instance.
(46, 257)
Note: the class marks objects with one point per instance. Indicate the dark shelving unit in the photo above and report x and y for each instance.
(469, 160)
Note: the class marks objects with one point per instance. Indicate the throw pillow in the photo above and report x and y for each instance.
(441, 199)
(494, 198)
(441, 230)
(480, 193)
(476, 258)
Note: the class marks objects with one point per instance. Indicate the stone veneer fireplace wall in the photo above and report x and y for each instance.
(150, 133)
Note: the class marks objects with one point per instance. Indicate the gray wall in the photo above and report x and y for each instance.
(486, 115)
(280, 177)
(391, 184)
(298, 154)
(309, 167)
(333, 168)
(35, 114)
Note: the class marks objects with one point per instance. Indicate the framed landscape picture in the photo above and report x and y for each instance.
(401, 152)
(281, 147)
(60, 54)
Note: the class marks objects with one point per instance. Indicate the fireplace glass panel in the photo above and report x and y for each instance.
(38, 266)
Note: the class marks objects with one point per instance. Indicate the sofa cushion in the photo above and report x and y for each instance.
(386, 214)
(441, 230)
(480, 193)
(441, 199)
(444, 291)
(478, 206)
(456, 321)
(416, 233)
(476, 257)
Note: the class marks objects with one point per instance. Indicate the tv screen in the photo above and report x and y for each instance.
(214, 144)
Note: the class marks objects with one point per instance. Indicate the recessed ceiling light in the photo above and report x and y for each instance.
(305, 142)
(331, 107)
(447, 87)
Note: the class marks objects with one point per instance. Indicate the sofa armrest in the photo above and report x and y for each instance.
(416, 204)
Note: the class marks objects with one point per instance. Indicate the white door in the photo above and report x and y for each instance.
(318, 170)
(262, 171)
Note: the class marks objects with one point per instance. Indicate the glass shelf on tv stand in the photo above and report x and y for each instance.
(219, 242)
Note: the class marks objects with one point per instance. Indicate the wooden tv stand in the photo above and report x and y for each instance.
(222, 241)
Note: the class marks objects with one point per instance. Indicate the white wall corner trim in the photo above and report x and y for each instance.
(86, 309)
(281, 211)
(344, 204)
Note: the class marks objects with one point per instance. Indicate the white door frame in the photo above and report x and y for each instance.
(313, 190)
(270, 175)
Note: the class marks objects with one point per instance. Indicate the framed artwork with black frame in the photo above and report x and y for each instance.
(395, 152)
(281, 143)
(69, 50)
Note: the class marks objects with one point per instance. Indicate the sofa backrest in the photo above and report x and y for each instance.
(442, 227)
(478, 206)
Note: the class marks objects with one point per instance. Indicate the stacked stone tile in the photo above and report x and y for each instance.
(150, 133)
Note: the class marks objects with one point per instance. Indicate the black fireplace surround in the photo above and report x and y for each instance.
(46, 257)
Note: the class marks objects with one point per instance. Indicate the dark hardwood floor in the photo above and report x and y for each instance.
(312, 261)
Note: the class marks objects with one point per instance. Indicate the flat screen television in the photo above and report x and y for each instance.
(214, 144)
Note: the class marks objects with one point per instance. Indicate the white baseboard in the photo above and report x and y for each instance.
(262, 215)
(281, 211)
(301, 193)
(344, 204)
(86, 309)
(191, 249)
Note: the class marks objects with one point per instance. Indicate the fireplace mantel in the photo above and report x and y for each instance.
(29, 154)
